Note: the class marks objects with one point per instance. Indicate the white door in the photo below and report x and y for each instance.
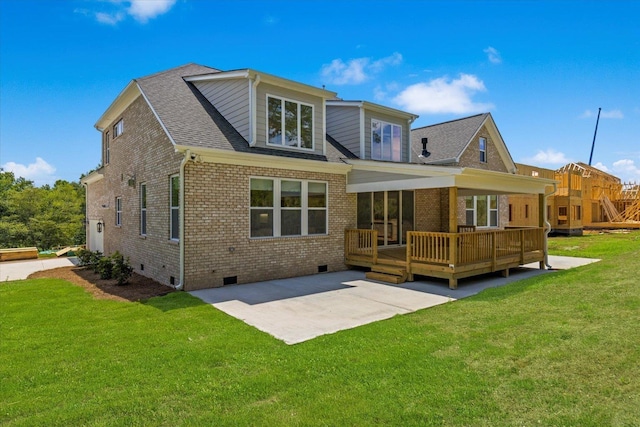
(96, 239)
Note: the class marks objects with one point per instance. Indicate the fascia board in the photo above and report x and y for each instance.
(503, 183)
(236, 74)
(212, 155)
(122, 101)
(373, 107)
(403, 168)
(403, 184)
(265, 78)
(91, 178)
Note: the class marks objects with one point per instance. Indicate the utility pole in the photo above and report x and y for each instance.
(593, 144)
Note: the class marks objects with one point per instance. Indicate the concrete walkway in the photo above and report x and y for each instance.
(19, 270)
(301, 308)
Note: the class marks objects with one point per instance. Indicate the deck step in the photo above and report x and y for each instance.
(389, 269)
(383, 277)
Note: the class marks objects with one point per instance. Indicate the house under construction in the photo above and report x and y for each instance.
(586, 198)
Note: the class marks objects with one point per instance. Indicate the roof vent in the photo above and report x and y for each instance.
(425, 153)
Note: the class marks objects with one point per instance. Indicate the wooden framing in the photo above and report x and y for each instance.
(447, 255)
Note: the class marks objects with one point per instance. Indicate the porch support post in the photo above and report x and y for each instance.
(453, 209)
(542, 219)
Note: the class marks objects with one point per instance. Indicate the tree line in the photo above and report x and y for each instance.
(44, 217)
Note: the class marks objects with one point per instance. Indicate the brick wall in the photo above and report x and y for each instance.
(141, 154)
(217, 227)
(471, 156)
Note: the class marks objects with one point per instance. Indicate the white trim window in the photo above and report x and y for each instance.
(118, 211)
(287, 207)
(482, 146)
(118, 128)
(143, 209)
(174, 207)
(289, 123)
(482, 211)
(107, 154)
(386, 141)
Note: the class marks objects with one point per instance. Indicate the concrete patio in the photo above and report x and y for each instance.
(301, 308)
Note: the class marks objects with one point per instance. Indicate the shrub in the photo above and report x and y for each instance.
(104, 267)
(89, 259)
(121, 269)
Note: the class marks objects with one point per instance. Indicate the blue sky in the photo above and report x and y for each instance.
(541, 68)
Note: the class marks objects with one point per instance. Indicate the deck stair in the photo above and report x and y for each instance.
(388, 273)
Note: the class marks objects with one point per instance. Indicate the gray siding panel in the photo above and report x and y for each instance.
(231, 99)
(343, 124)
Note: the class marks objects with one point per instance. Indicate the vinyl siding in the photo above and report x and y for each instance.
(265, 89)
(343, 124)
(231, 99)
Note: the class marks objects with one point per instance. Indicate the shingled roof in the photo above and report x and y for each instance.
(191, 120)
(447, 141)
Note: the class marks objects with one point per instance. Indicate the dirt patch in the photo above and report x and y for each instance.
(138, 288)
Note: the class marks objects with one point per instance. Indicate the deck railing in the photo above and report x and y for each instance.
(361, 243)
(467, 248)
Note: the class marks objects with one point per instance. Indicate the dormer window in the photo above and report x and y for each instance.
(386, 141)
(118, 128)
(483, 150)
(289, 123)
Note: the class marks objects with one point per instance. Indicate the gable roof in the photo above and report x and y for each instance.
(449, 140)
(189, 119)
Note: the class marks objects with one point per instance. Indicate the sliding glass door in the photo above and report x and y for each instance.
(389, 212)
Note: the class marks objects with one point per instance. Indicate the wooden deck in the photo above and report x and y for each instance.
(445, 255)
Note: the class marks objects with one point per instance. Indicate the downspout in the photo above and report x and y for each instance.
(187, 157)
(253, 93)
(86, 216)
(548, 227)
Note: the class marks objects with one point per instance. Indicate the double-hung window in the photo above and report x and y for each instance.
(287, 207)
(118, 128)
(386, 141)
(482, 211)
(289, 123)
(174, 207)
(118, 211)
(482, 146)
(143, 209)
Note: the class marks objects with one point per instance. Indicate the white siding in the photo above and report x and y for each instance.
(231, 99)
(343, 124)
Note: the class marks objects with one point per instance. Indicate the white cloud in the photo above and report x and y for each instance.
(548, 157)
(611, 114)
(493, 55)
(627, 170)
(109, 18)
(443, 95)
(602, 167)
(39, 172)
(358, 70)
(141, 10)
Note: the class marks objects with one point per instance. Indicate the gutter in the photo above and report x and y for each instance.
(187, 157)
(548, 227)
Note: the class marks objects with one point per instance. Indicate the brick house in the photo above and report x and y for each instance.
(213, 177)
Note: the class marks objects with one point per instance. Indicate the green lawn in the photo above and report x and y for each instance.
(560, 349)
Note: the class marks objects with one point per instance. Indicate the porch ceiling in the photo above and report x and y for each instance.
(365, 177)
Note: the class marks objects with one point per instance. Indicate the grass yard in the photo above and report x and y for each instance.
(558, 349)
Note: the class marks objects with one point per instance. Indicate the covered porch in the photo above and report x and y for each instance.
(452, 248)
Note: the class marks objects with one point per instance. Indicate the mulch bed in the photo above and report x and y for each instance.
(138, 288)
